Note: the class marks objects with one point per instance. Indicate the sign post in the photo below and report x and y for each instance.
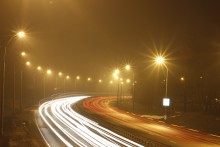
(166, 103)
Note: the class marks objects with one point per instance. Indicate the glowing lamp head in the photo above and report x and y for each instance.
(128, 80)
(21, 34)
(28, 63)
(60, 73)
(23, 54)
(78, 77)
(127, 67)
(116, 71)
(39, 68)
(89, 79)
(159, 60)
(100, 81)
(115, 76)
(49, 72)
(67, 77)
(182, 79)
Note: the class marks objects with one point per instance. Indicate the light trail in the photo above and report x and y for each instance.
(165, 133)
(74, 129)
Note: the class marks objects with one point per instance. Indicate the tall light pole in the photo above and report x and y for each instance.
(64, 83)
(20, 35)
(116, 77)
(48, 72)
(28, 63)
(59, 75)
(39, 69)
(182, 79)
(77, 79)
(23, 54)
(161, 61)
(128, 68)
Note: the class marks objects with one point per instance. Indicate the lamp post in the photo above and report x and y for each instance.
(64, 83)
(77, 79)
(182, 79)
(23, 54)
(161, 61)
(39, 69)
(56, 84)
(116, 76)
(128, 68)
(20, 35)
(28, 63)
(49, 72)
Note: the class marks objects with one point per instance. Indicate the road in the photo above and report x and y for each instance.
(156, 130)
(61, 125)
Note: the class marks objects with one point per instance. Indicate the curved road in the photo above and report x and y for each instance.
(156, 130)
(60, 125)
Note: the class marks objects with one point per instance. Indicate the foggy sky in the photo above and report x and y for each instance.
(90, 36)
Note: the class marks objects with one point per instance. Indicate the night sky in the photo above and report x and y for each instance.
(89, 36)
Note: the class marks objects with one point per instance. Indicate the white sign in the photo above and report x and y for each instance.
(166, 102)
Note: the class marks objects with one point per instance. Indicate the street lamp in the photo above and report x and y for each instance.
(128, 80)
(128, 68)
(161, 61)
(48, 72)
(20, 35)
(182, 79)
(59, 75)
(28, 63)
(39, 68)
(23, 54)
(77, 79)
(64, 83)
(116, 77)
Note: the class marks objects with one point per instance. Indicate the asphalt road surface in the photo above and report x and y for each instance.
(60, 125)
(157, 130)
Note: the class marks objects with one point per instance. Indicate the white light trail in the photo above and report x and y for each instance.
(74, 129)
